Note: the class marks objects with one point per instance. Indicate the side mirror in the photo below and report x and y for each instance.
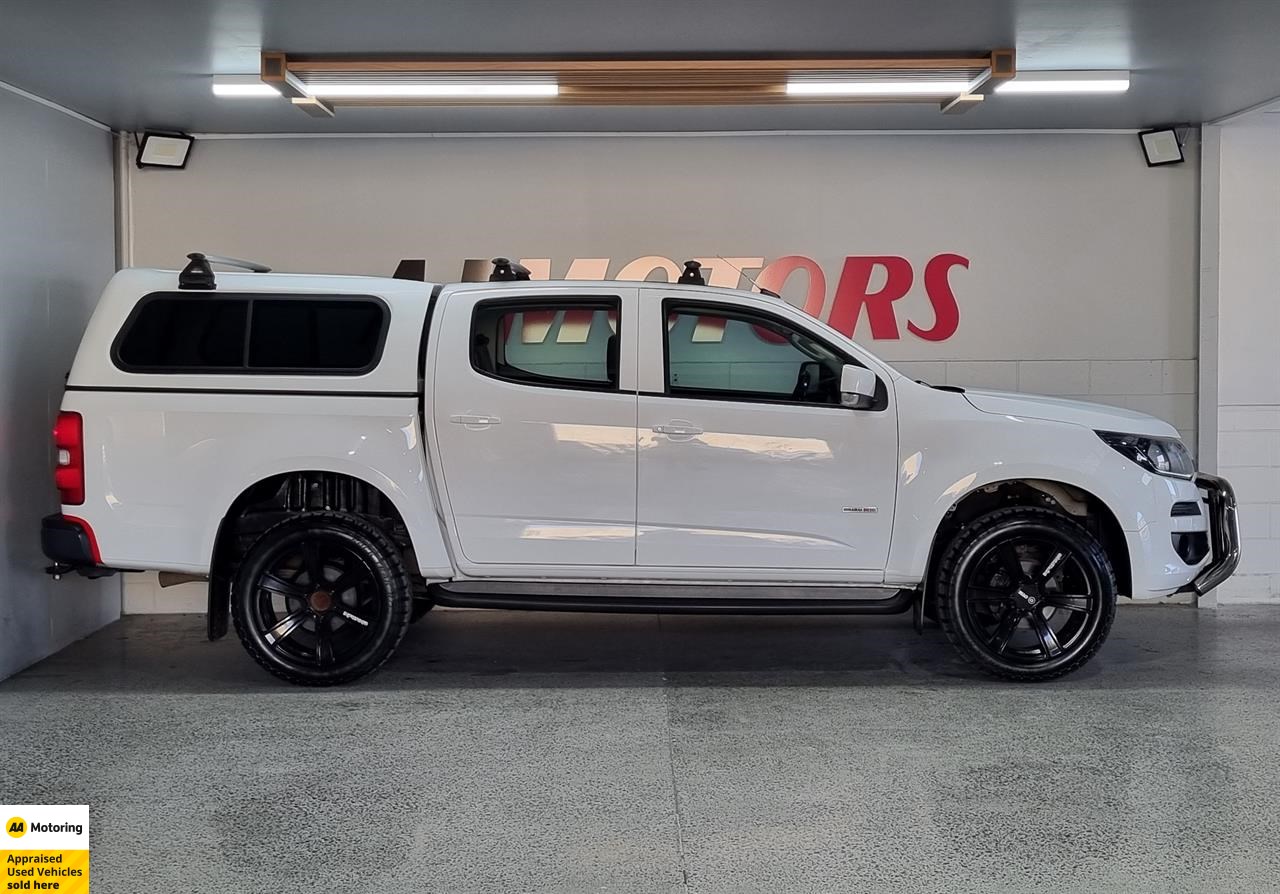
(857, 387)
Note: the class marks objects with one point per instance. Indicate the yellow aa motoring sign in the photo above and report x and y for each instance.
(46, 848)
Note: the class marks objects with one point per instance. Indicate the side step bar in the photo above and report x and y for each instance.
(672, 598)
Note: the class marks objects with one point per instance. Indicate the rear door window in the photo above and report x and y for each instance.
(564, 343)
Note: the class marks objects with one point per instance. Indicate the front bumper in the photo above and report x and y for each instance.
(1224, 534)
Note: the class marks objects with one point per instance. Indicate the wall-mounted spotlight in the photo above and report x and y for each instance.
(1161, 146)
(164, 150)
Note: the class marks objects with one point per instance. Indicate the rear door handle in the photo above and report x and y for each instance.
(678, 428)
(474, 421)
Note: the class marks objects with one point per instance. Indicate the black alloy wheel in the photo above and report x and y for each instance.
(1026, 593)
(322, 598)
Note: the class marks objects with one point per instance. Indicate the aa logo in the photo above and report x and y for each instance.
(16, 827)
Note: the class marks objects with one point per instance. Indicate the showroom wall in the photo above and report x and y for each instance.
(1045, 262)
(1241, 331)
(57, 251)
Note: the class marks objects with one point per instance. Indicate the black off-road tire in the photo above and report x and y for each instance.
(337, 544)
(968, 591)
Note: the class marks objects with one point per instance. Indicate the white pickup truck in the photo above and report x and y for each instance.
(336, 454)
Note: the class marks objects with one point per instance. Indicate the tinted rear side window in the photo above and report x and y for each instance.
(314, 334)
(186, 333)
(572, 343)
(261, 334)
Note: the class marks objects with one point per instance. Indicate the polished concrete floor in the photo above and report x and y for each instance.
(523, 752)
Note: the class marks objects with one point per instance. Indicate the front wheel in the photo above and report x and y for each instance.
(1026, 593)
(322, 598)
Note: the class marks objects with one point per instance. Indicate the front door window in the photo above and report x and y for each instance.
(742, 356)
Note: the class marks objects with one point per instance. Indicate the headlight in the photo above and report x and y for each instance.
(1164, 456)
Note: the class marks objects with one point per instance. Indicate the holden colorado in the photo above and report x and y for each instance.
(336, 454)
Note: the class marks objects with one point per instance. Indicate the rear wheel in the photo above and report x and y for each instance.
(322, 598)
(1026, 593)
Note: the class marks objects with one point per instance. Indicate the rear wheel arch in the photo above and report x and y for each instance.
(322, 598)
(272, 499)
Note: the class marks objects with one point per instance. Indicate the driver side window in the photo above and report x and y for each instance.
(716, 351)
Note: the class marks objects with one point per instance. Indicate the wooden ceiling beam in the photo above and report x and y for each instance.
(331, 65)
(627, 81)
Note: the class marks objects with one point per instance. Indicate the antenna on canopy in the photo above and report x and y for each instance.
(763, 291)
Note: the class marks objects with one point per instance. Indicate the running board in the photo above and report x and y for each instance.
(672, 598)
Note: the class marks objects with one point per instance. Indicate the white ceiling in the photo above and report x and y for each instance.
(137, 64)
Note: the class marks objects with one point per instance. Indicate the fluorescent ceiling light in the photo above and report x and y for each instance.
(1066, 82)
(434, 90)
(876, 88)
(246, 86)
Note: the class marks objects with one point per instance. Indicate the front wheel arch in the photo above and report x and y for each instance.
(1033, 492)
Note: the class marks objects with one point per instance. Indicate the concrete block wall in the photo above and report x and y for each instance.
(1249, 456)
(143, 596)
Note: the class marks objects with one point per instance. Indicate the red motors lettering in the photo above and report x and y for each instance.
(864, 302)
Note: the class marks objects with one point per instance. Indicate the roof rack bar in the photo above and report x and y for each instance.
(251, 266)
(198, 275)
(692, 275)
(506, 270)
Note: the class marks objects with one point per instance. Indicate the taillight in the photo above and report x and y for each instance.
(68, 474)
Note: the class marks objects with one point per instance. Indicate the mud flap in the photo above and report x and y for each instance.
(219, 612)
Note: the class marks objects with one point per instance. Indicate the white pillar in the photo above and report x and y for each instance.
(1240, 339)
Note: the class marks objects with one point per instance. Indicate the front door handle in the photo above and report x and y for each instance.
(474, 422)
(678, 428)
